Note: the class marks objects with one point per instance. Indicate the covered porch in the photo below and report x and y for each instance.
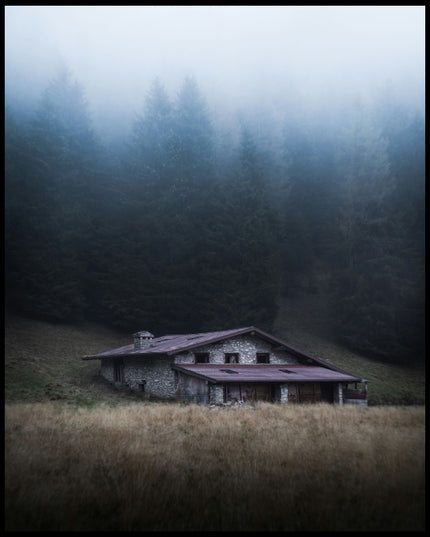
(240, 383)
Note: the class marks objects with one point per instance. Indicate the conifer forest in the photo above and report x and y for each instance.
(195, 219)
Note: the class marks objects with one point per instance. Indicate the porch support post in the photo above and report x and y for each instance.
(338, 393)
(283, 393)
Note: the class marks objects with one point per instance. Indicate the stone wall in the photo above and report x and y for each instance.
(159, 379)
(216, 394)
(150, 374)
(246, 346)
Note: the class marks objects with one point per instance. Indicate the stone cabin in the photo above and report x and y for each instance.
(229, 366)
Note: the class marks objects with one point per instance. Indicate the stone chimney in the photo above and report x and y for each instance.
(142, 340)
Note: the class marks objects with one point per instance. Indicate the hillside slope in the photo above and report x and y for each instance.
(43, 359)
(305, 323)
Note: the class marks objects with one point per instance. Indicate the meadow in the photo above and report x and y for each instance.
(146, 466)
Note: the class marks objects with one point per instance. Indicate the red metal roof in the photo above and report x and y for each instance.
(172, 344)
(175, 343)
(238, 373)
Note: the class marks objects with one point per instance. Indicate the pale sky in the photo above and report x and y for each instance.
(234, 52)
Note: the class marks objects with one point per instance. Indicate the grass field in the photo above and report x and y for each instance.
(158, 466)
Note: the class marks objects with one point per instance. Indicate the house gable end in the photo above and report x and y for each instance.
(277, 345)
(243, 348)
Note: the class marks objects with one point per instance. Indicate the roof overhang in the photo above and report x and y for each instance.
(261, 373)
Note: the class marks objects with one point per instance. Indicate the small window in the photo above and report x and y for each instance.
(201, 357)
(231, 358)
(263, 358)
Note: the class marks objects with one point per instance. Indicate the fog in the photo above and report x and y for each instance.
(279, 156)
(253, 56)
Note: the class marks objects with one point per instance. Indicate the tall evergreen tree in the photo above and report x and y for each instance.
(60, 153)
(242, 245)
(405, 134)
(308, 206)
(19, 193)
(150, 160)
(367, 282)
(192, 146)
(168, 205)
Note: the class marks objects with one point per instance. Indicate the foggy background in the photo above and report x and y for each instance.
(181, 169)
(251, 56)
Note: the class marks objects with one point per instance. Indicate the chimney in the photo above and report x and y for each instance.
(142, 340)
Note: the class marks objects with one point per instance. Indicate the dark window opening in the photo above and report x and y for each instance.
(231, 358)
(118, 370)
(201, 357)
(263, 358)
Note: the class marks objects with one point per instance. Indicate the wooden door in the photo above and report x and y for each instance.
(263, 392)
(293, 393)
(327, 392)
(232, 393)
(236, 393)
(310, 392)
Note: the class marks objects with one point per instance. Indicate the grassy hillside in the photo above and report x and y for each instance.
(305, 323)
(43, 359)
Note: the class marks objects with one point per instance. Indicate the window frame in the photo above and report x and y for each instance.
(259, 358)
(199, 355)
(229, 355)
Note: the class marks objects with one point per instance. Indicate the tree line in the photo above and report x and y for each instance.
(174, 234)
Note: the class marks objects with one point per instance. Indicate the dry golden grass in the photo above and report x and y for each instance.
(183, 468)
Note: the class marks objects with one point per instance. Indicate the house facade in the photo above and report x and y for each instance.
(230, 366)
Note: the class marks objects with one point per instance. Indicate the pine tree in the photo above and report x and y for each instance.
(308, 206)
(149, 150)
(367, 282)
(59, 155)
(244, 264)
(192, 144)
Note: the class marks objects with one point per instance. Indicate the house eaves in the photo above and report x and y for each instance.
(262, 373)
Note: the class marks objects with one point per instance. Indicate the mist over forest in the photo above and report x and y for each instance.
(181, 169)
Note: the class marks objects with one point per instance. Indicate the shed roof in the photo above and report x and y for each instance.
(238, 373)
